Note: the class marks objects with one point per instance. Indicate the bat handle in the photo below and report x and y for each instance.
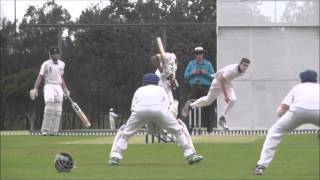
(70, 99)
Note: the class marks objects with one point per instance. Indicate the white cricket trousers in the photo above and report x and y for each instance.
(163, 119)
(212, 95)
(112, 123)
(288, 122)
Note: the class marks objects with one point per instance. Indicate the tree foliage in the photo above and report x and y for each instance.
(104, 66)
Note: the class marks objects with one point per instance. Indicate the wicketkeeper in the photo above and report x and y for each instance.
(150, 104)
(52, 71)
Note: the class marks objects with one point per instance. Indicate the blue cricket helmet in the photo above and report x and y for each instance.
(308, 76)
(150, 78)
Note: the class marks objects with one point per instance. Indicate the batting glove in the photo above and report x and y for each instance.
(66, 93)
(33, 94)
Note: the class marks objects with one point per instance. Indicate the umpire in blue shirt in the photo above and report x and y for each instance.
(199, 76)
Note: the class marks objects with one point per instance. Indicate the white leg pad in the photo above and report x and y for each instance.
(51, 117)
(47, 116)
(173, 108)
(57, 118)
(187, 134)
(47, 120)
(184, 141)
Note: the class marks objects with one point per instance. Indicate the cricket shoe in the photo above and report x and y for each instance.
(258, 170)
(186, 108)
(44, 133)
(223, 123)
(114, 161)
(194, 158)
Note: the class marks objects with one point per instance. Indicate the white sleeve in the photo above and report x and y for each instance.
(157, 72)
(42, 69)
(226, 74)
(114, 114)
(289, 98)
(62, 71)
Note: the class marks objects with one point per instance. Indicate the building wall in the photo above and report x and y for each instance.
(281, 38)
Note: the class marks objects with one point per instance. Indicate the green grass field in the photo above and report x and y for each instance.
(226, 157)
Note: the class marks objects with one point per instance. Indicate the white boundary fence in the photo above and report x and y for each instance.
(106, 132)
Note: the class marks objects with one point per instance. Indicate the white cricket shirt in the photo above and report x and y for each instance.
(304, 95)
(52, 72)
(229, 72)
(112, 115)
(170, 67)
(150, 97)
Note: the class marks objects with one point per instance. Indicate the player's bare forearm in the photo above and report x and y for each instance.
(38, 82)
(63, 84)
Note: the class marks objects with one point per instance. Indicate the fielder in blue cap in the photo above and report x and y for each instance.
(150, 78)
(300, 106)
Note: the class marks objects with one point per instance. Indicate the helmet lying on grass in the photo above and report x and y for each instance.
(63, 162)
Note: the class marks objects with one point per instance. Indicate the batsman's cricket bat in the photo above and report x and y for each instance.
(173, 82)
(161, 48)
(80, 113)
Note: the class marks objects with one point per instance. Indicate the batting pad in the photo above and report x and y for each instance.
(185, 144)
(51, 117)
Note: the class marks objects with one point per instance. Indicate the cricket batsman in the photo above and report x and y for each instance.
(166, 68)
(54, 89)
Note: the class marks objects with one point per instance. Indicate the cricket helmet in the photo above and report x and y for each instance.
(150, 78)
(308, 76)
(63, 162)
(54, 50)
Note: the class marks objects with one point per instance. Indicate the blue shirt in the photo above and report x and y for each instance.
(199, 79)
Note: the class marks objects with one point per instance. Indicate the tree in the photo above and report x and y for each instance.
(22, 52)
(104, 66)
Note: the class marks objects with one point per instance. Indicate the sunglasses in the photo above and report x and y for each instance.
(198, 52)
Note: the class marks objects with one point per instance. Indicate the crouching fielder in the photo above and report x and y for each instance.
(300, 106)
(52, 71)
(150, 104)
